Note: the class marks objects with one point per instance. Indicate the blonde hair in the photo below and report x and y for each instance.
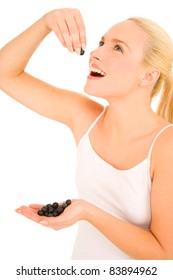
(159, 54)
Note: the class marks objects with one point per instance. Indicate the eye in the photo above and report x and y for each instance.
(118, 48)
(101, 43)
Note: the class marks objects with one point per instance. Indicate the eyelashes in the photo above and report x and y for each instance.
(101, 43)
(117, 47)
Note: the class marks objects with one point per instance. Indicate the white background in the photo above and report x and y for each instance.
(38, 155)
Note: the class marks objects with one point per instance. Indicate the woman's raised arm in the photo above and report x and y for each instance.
(52, 102)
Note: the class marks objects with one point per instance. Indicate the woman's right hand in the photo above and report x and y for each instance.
(69, 27)
(52, 102)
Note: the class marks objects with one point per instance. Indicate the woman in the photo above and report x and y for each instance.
(125, 150)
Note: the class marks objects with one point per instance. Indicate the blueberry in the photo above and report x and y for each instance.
(68, 201)
(50, 209)
(55, 205)
(82, 52)
(40, 213)
(60, 209)
(44, 208)
(64, 205)
(50, 215)
(48, 205)
(55, 213)
(46, 214)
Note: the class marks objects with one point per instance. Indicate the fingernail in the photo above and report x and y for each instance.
(71, 49)
(44, 223)
(78, 50)
(83, 46)
(18, 210)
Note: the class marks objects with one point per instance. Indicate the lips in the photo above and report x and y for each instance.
(95, 71)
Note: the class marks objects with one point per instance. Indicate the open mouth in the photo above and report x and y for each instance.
(95, 72)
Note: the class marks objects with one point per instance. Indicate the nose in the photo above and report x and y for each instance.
(96, 54)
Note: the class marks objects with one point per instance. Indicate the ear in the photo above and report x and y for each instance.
(150, 77)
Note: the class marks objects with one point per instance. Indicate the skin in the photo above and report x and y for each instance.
(128, 125)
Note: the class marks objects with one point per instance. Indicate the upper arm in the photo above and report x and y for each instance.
(58, 104)
(162, 193)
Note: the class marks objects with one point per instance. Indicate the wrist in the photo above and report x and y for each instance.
(89, 211)
(44, 20)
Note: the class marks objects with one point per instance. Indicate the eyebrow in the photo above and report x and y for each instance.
(115, 40)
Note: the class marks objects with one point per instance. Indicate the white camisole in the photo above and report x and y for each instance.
(124, 194)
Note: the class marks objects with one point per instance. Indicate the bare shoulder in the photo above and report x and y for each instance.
(163, 147)
(162, 154)
(86, 111)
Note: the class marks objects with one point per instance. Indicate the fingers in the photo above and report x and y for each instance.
(81, 27)
(36, 206)
(75, 36)
(63, 32)
(69, 27)
(29, 213)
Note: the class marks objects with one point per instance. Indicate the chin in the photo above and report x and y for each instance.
(90, 90)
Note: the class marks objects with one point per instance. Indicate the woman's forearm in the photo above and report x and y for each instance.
(131, 239)
(136, 242)
(15, 55)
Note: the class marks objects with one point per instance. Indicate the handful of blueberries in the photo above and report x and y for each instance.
(54, 209)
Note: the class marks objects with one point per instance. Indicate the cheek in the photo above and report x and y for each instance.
(124, 73)
(122, 68)
(121, 79)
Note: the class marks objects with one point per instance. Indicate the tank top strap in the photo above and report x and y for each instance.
(96, 120)
(158, 134)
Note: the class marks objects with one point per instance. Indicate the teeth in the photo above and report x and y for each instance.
(96, 70)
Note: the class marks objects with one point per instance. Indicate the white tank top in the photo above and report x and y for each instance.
(124, 194)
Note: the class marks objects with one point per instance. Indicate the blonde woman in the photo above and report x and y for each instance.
(125, 150)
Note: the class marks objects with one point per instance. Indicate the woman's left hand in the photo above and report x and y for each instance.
(75, 212)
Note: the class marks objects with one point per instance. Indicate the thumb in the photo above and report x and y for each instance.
(44, 222)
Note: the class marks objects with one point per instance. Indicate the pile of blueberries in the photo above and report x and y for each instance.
(54, 209)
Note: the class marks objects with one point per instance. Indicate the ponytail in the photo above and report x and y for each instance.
(159, 54)
(165, 107)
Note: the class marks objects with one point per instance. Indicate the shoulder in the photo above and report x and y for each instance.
(162, 154)
(84, 115)
(164, 142)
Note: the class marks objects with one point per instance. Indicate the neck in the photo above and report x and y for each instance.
(127, 117)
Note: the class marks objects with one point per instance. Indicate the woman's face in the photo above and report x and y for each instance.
(116, 66)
